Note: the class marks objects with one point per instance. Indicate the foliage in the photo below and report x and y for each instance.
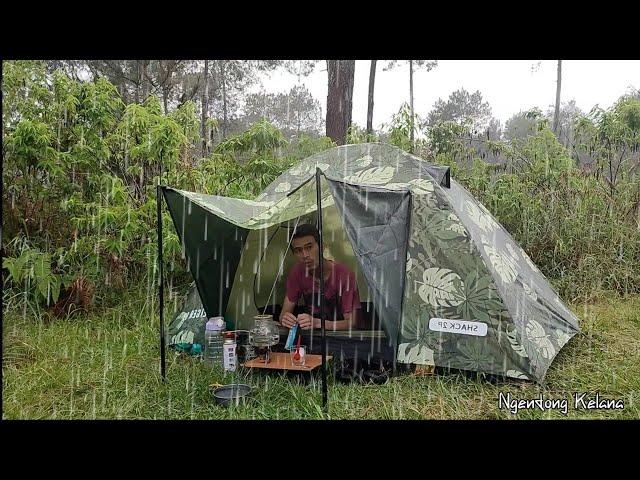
(355, 134)
(448, 138)
(300, 67)
(186, 116)
(37, 274)
(462, 108)
(582, 239)
(612, 138)
(399, 130)
(306, 145)
(568, 115)
(293, 113)
(261, 138)
(81, 169)
(80, 175)
(522, 125)
(427, 65)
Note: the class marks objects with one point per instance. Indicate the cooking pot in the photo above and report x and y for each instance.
(234, 393)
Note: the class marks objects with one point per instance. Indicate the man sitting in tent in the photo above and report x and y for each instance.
(342, 301)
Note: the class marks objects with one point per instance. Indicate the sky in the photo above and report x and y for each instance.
(509, 86)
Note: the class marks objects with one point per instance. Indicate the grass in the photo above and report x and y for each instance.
(106, 366)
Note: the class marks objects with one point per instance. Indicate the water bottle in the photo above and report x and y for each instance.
(214, 340)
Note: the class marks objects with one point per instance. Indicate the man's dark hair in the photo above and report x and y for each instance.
(306, 229)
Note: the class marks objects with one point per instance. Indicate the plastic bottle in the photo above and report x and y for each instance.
(230, 353)
(214, 340)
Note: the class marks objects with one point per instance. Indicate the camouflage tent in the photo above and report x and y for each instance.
(451, 286)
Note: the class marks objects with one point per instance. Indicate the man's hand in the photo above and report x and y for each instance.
(305, 320)
(288, 320)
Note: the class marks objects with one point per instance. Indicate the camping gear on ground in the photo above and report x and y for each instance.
(375, 376)
(264, 335)
(229, 349)
(214, 340)
(232, 394)
(448, 283)
(193, 349)
(245, 351)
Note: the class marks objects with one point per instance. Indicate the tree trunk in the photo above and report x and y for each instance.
(137, 77)
(224, 99)
(556, 116)
(298, 101)
(165, 99)
(372, 79)
(214, 89)
(340, 75)
(411, 102)
(143, 79)
(205, 105)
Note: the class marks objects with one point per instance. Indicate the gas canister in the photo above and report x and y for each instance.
(229, 349)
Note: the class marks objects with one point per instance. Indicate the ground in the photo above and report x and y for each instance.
(106, 366)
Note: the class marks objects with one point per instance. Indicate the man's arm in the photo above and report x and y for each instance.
(287, 318)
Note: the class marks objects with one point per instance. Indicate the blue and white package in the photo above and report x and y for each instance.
(292, 337)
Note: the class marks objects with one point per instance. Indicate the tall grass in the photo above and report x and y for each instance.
(585, 239)
(106, 366)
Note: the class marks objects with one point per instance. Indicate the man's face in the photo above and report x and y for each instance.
(306, 250)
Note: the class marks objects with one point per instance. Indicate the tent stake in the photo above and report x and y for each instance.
(324, 343)
(161, 282)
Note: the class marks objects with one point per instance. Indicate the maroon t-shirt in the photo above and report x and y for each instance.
(340, 291)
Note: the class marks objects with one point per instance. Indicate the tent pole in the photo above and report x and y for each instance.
(324, 343)
(161, 282)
